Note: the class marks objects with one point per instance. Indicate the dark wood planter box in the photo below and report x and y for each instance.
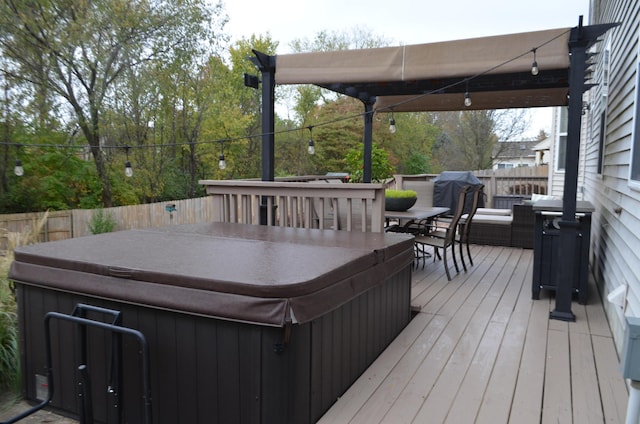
(399, 204)
(245, 324)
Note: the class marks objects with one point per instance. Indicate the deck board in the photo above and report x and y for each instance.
(584, 381)
(500, 389)
(477, 334)
(481, 350)
(556, 406)
(460, 302)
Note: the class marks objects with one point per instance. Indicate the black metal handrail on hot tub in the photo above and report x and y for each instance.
(79, 317)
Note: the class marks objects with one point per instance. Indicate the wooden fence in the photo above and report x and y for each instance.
(62, 225)
(515, 181)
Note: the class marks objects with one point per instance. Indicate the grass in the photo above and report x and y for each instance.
(400, 193)
(9, 349)
(102, 222)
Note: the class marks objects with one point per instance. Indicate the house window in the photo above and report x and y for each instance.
(561, 156)
(634, 168)
(603, 116)
(606, 70)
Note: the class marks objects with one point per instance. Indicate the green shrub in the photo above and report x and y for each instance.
(400, 193)
(102, 222)
(9, 355)
(381, 169)
(9, 350)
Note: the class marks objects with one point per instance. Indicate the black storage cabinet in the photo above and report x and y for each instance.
(245, 324)
(547, 256)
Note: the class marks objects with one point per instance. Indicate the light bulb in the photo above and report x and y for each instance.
(18, 170)
(128, 170)
(467, 99)
(392, 125)
(534, 68)
(222, 164)
(312, 148)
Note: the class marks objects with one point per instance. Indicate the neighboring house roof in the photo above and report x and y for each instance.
(505, 150)
(543, 145)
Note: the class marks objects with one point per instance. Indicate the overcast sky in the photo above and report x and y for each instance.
(403, 21)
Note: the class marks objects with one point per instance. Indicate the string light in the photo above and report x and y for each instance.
(467, 98)
(222, 164)
(18, 169)
(128, 170)
(311, 148)
(534, 65)
(392, 124)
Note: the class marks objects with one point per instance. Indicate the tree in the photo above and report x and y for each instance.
(470, 136)
(78, 49)
(54, 179)
(341, 131)
(381, 169)
(237, 111)
(410, 147)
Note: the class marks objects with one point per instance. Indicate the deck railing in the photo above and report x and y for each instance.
(324, 205)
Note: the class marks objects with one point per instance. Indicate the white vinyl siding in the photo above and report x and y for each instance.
(613, 162)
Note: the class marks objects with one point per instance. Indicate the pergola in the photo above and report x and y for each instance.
(495, 72)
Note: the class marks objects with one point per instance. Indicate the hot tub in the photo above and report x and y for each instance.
(244, 323)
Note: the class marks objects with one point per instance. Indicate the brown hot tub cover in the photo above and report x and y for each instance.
(255, 274)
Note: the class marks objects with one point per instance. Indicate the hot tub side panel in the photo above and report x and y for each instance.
(327, 355)
(206, 370)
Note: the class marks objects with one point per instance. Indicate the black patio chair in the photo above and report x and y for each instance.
(464, 226)
(437, 241)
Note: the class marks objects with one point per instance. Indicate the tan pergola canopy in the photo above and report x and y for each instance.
(496, 71)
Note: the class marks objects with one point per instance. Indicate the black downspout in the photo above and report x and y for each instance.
(580, 40)
(368, 140)
(267, 66)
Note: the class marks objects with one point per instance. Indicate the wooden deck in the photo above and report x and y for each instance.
(479, 350)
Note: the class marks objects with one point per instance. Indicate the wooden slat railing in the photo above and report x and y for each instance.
(326, 205)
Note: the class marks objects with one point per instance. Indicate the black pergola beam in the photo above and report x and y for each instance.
(558, 78)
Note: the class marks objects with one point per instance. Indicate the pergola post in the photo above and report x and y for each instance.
(580, 40)
(368, 141)
(267, 66)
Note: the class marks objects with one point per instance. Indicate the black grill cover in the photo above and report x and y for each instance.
(448, 184)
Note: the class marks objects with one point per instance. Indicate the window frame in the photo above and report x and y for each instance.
(633, 178)
(604, 102)
(561, 140)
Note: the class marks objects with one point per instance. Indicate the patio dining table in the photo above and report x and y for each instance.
(416, 220)
(416, 215)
